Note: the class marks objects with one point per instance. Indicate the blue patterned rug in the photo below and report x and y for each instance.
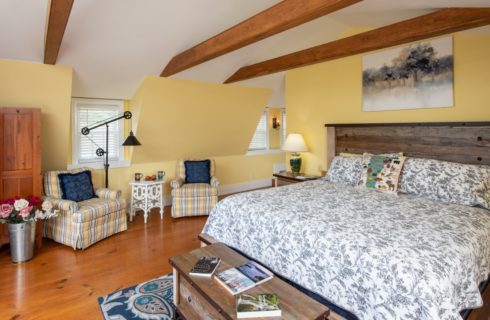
(148, 300)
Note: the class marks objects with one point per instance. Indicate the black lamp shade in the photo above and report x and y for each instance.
(131, 140)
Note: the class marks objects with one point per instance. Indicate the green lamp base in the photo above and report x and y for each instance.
(295, 164)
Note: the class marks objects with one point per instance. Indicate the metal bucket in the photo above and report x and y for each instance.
(22, 236)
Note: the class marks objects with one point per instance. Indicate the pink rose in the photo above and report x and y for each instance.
(6, 210)
(24, 213)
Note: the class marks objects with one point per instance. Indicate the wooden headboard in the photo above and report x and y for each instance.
(464, 142)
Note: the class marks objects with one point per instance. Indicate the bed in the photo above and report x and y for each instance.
(375, 255)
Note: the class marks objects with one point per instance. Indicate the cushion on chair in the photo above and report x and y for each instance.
(95, 208)
(52, 183)
(195, 190)
(197, 171)
(76, 186)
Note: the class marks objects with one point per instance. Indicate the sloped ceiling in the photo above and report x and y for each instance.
(113, 44)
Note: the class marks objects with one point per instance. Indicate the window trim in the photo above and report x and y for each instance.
(258, 152)
(283, 126)
(75, 129)
(267, 144)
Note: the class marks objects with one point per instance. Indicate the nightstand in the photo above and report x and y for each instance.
(285, 178)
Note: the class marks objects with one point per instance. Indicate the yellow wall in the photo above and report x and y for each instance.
(161, 107)
(274, 134)
(34, 85)
(331, 92)
(231, 170)
(191, 119)
(180, 119)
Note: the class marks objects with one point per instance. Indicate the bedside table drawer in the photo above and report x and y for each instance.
(283, 182)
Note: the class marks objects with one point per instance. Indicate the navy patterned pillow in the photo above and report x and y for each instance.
(76, 186)
(197, 171)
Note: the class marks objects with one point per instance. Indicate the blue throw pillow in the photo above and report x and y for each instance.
(76, 186)
(197, 171)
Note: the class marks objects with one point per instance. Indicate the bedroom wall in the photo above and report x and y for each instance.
(181, 119)
(331, 92)
(172, 104)
(35, 85)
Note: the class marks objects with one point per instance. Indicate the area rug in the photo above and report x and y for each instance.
(148, 300)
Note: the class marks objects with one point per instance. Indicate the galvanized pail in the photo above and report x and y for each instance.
(22, 236)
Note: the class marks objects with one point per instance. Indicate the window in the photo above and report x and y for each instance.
(283, 127)
(260, 140)
(86, 113)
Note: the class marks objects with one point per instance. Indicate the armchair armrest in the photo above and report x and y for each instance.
(108, 194)
(62, 205)
(176, 183)
(214, 182)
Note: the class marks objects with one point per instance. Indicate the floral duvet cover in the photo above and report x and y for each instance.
(379, 256)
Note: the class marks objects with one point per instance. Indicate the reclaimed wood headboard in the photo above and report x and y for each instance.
(464, 142)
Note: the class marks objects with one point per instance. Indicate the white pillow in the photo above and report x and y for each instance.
(447, 181)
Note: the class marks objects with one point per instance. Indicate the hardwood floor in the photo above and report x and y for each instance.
(60, 283)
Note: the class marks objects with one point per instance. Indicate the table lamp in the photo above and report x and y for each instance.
(295, 144)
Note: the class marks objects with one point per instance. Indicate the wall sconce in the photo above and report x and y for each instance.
(275, 123)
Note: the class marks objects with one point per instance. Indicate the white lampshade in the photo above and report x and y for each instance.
(295, 143)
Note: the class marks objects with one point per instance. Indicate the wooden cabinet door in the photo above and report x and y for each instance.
(20, 153)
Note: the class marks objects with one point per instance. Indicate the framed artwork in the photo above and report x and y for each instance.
(411, 77)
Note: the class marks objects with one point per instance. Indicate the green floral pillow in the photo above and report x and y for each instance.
(381, 172)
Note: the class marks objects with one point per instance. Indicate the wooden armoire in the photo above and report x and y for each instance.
(20, 157)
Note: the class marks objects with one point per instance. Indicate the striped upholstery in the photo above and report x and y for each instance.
(193, 199)
(63, 205)
(108, 194)
(176, 183)
(95, 208)
(82, 224)
(191, 190)
(192, 206)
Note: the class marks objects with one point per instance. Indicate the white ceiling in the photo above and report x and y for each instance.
(113, 44)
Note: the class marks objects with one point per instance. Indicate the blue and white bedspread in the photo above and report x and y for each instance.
(377, 255)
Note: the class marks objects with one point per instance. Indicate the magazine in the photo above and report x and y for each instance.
(244, 277)
(205, 266)
(257, 305)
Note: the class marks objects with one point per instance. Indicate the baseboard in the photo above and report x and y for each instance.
(245, 186)
(233, 188)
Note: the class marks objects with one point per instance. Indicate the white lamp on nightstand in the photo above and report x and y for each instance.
(295, 144)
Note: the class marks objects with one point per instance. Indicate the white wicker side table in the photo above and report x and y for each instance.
(146, 195)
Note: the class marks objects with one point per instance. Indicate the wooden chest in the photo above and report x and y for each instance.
(204, 298)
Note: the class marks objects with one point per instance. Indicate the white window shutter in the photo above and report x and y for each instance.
(89, 113)
(260, 140)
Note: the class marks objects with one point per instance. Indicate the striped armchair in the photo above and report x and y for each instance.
(81, 224)
(193, 199)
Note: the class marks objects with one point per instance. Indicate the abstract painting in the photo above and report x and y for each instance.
(411, 77)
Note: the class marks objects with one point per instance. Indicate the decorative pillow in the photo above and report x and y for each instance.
(76, 186)
(381, 172)
(447, 181)
(197, 171)
(345, 170)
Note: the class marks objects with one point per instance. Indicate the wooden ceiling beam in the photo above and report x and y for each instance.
(423, 27)
(280, 17)
(59, 12)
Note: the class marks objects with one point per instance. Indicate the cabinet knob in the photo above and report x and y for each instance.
(189, 299)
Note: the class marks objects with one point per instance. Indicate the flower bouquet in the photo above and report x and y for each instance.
(21, 216)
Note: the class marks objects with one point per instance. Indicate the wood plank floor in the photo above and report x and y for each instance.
(60, 283)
